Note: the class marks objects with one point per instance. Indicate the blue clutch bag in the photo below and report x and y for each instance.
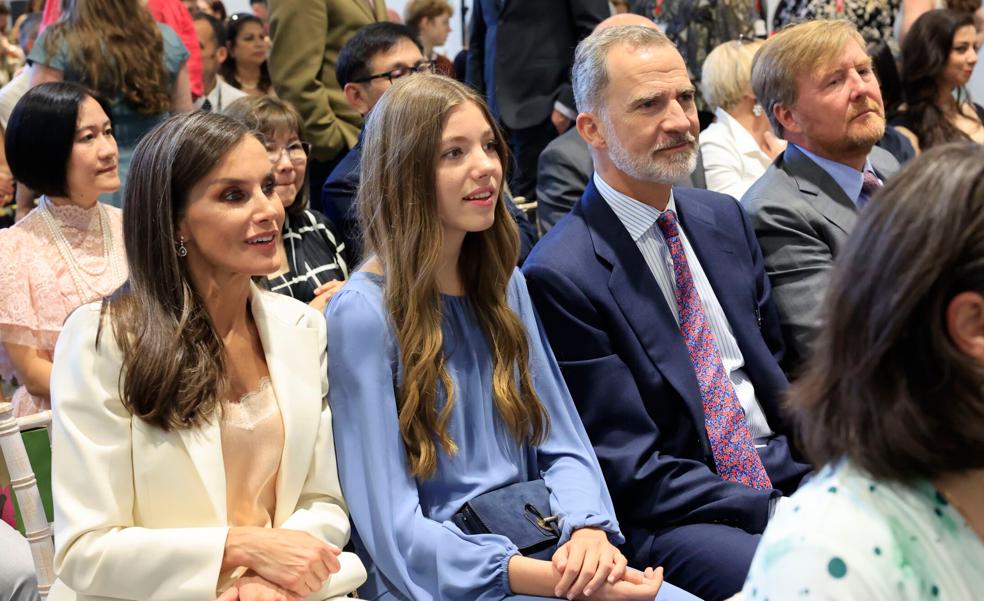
(520, 512)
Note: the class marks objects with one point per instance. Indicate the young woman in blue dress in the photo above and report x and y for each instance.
(443, 386)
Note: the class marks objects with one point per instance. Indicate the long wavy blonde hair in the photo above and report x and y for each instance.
(398, 210)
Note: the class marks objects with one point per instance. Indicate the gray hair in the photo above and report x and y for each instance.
(590, 71)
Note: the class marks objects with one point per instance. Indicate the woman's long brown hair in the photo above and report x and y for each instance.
(173, 359)
(117, 49)
(398, 208)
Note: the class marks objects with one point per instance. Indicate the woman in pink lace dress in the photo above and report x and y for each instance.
(69, 250)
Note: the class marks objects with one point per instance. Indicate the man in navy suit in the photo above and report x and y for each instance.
(657, 305)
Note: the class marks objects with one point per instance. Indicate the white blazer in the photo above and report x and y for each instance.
(140, 513)
(732, 158)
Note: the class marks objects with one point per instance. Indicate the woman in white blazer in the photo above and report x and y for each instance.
(739, 146)
(192, 443)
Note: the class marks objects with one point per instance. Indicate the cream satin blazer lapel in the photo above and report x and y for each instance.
(292, 358)
(204, 447)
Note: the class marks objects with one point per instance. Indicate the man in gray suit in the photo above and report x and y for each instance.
(564, 170)
(818, 88)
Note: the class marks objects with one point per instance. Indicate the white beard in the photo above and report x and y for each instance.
(648, 168)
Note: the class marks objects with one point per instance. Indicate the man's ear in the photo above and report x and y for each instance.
(355, 94)
(221, 54)
(589, 126)
(786, 118)
(965, 323)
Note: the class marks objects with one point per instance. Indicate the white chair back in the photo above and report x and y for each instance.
(21, 475)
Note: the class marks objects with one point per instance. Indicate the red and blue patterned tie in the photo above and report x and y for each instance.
(731, 442)
(869, 185)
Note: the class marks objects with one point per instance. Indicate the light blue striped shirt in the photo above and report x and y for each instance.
(640, 221)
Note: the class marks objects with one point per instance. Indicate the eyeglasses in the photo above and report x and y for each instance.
(421, 67)
(297, 152)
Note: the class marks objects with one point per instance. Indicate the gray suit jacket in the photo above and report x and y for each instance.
(563, 172)
(802, 219)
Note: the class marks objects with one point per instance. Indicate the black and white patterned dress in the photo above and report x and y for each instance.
(315, 256)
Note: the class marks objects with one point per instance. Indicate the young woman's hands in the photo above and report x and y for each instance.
(586, 562)
(635, 586)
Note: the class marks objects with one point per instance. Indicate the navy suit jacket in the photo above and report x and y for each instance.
(628, 369)
(521, 51)
(338, 200)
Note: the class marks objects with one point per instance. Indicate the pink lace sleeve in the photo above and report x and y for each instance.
(18, 318)
(18, 315)
(38, 292)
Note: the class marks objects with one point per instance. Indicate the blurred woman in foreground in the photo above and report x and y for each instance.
(896, 512)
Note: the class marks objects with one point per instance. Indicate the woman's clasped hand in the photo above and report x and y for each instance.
(288, 562)
(589, 566)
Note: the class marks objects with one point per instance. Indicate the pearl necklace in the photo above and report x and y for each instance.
(65, 250)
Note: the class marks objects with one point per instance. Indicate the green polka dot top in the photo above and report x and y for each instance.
(844, 537)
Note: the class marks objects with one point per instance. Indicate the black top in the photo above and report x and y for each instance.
(315, 256)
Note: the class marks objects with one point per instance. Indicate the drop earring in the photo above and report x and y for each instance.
(182, 249)
(757, 110)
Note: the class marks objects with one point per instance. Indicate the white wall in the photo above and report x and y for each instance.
(976, 84)
(236, 6)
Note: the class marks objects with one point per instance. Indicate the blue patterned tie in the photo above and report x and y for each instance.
(731, 442)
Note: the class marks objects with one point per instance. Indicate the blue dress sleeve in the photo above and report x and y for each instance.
(175, 53)
(38, 54)
(566, 459)
(419, 558)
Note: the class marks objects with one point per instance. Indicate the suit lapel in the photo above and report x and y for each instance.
(292, 357)
(381, 11)
(883, 163)
(714, 247)
(204, 446)
(817, 185)
(641, 301)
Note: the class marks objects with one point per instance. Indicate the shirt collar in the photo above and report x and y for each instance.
(849, 179)
(744, 140)
(637, 217)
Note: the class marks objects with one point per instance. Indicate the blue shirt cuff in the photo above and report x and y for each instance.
(575, 521)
